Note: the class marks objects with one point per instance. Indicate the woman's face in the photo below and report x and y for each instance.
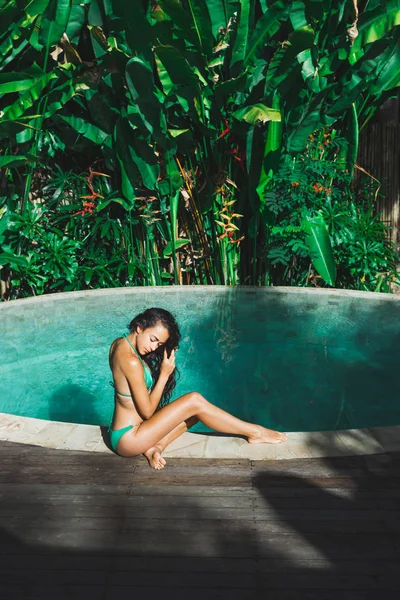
(148, 340)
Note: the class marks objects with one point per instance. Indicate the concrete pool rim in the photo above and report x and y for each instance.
(313, 444)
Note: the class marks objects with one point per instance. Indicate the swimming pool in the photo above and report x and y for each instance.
(289, 358)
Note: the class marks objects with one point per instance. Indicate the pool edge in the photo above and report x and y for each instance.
(315, 444)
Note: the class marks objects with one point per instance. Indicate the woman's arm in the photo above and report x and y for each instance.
(146, 404)
(157, 391)
(167, 367)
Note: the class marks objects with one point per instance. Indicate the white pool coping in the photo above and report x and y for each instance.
(309, 444)
(189, 289)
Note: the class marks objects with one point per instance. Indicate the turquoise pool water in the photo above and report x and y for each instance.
(296, 360)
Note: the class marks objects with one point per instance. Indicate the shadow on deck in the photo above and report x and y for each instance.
(85, 525)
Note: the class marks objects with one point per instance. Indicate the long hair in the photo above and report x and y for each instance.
(150, 318)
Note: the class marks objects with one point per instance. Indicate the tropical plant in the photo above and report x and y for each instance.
(347, 242)
(191, 106)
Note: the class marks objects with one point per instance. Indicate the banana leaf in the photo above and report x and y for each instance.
(284, 58)
(271, 152)
(145, 160)
(373, 25)
(217, 12)
(179, 243)
(15, 82)
(28, 98)
(256, 114)
(179, 71)
(54, 21)
(88, 130)
(139, 77)
(266, 27)
(243, 33)
(319, 247)
(16, 161)
(202, 25)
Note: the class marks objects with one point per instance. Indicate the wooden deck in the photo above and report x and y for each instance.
(85, 525)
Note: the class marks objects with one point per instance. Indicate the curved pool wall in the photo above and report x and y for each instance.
(295, 359)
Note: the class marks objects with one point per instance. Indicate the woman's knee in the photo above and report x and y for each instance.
(196, 400)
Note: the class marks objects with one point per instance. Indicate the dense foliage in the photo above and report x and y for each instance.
(152, 143)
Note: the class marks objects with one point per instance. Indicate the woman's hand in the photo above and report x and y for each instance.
(168, 364)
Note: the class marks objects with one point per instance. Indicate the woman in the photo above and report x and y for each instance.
(143, 367)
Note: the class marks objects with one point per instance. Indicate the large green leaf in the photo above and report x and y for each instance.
(28, 98)
(181, 18)
(388, 69)
(139, 77)
(129, 172)
(54, 21)
(202, 25)
(179, 243)
(256, 114)
(76, 21)
(59, 96)
(228, 88)
(16, 161)
(137, 28)
(217, 11)
(298, 17)
(146, 161)
(320, 248)
(36, 7)
(374, 24)
(279, 67)
(243, 33)
(266, 27)
(15, 82)
(178, 70)
(88, 130)
(272, 151)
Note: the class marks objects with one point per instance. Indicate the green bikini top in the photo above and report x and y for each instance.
(148, 379)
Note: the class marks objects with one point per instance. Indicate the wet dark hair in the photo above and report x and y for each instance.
(150, 318)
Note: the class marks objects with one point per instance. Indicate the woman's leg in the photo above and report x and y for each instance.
(192, 405)
(153, 455)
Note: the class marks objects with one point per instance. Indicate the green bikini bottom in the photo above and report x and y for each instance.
(116, 435)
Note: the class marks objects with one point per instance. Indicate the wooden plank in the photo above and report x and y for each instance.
(16, 523)
(322, 500)
(64, 562)
(260, 565)
(9, 501)
(272, 581)
(25, 491)
(300, 491)
(247, 544)
(76, 475)
(35, 562)
(81, 577)
(111, 593)
(49, 541)
(145, 512)
(61, 592)
(197, 512)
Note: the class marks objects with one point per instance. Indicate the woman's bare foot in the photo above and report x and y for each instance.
(156, 461)
(266, 436)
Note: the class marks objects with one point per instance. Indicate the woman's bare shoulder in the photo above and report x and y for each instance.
(120, 354)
